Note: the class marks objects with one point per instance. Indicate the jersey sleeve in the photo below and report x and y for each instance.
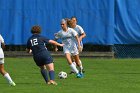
(58, 35)
(1, 39)
(74, 33)
(28, 46)
(81, 29)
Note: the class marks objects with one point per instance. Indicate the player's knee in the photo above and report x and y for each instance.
(42, 67)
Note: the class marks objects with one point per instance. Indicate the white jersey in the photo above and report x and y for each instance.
(1, 50)
(80, 31)
(69, 41)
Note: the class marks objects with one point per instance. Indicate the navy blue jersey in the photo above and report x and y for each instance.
(37, 43)
(41, 55)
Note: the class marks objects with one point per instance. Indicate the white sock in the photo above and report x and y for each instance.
(73, 67)
(81, 67)
(74, 63)
(8, 78)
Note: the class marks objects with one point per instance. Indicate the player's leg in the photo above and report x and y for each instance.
(73, 67)
(41, 61)
(50, 68)
(81, 43)
(5, 74)
(2, 71)
(73, 61)
(76, 60)
(82, 66)
(44, 73)
(76, 57)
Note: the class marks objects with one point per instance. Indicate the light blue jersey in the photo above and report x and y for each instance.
(80, 31)
(1, 50)
(69, 41)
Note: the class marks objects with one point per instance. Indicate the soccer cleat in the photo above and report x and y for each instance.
(82, 75)
(12, 83)
(52, 83)
(78, 75)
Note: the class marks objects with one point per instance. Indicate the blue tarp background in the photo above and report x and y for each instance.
(127, 22)
(106, 22)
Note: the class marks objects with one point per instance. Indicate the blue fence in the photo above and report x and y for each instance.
(106, 22)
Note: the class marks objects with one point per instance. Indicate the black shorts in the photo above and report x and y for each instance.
(43, 58)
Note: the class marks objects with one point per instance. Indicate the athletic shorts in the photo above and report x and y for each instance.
(43, 58)
(71, 50)
(1, 60)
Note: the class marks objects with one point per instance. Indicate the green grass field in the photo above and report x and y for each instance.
(101, 76)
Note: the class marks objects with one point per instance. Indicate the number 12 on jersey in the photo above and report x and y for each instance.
(34, 42)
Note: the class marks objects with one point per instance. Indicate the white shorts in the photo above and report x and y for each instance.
(71, 50)
(1, 53)
(1, 60)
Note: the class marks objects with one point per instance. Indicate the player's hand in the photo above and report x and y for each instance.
(79, 48)
(62, 45)
(56, 49)
(30, 51)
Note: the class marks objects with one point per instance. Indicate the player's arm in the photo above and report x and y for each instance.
(2, 42)
(27, 50)
(28, 47)
(82, 32)
(83, 35)
(55, 43)
(79, 46)
(56, 38)
(3, 45)
(55, 47)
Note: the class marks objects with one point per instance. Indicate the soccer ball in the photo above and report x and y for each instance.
(62, 75)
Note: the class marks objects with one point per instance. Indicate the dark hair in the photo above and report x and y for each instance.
(74, 17)
(36, 29)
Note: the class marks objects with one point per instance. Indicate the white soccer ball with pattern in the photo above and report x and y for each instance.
(62, 75)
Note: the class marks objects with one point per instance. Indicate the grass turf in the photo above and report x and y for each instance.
(101, 76)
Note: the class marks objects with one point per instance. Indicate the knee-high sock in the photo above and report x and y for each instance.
(81, 67)
(73, 67)
(8, 78)
(74, 63)
(44, 74)
(52, 75)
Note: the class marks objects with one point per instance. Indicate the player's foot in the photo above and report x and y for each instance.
(72, 72)
(52, 83)
(82, 75)
(12, 83)
(79, 75)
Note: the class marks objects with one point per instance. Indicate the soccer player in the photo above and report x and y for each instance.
(41, 55)
(81, 35)
(2, 70)
(70, 39)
